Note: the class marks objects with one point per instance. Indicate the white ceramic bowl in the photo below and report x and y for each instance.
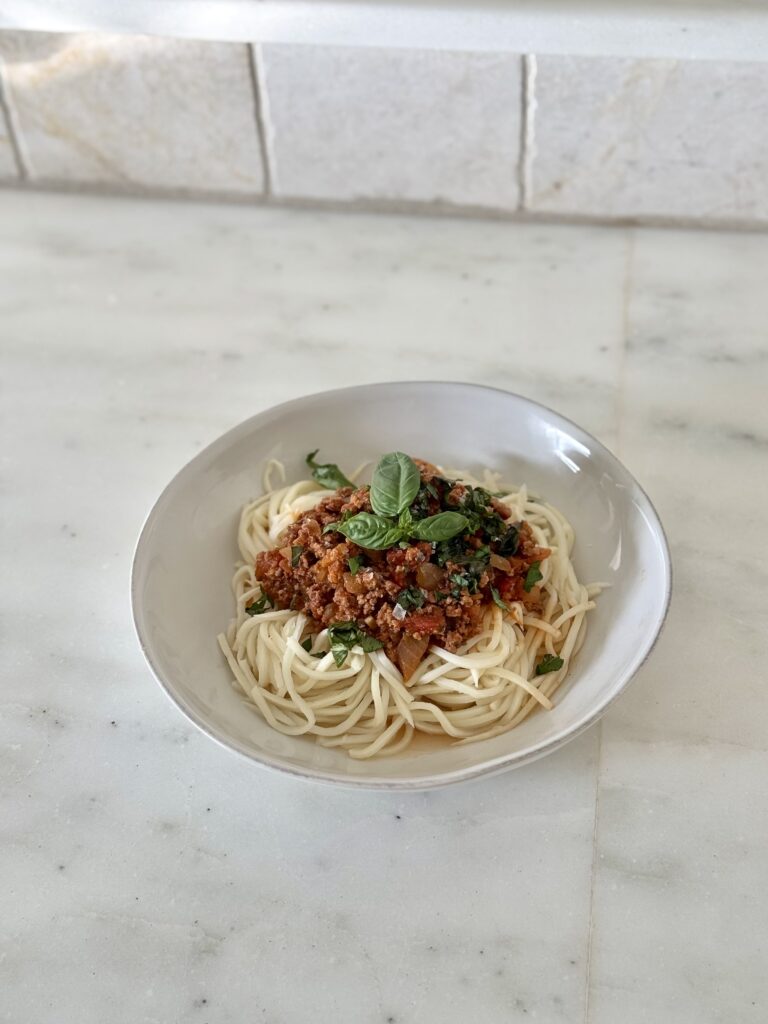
(187, 549)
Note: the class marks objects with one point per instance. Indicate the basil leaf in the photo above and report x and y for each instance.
(443, 526)
(296, 550)
(259, 605)
(307, 644)
(405, 520)
(532, 577)
(369, 531)
(549, 663)
(354, 564)
(327, 474)
(497, 599)
(411, 597)
(396, 482)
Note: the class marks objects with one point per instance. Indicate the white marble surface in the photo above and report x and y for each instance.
(149, 876)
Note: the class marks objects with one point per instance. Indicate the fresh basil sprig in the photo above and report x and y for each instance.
(327, 474)
(497, 599)
(378, 532)
(343, 636)
(396, 482)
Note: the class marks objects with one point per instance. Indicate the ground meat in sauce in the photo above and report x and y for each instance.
(322, 586)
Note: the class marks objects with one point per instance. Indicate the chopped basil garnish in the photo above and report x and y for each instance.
(327, 474)
(354, 564)
(549, 663)
(307, 645)
(396, 482)
(411, 597)
(532, 577)
(497, 599)
(259, 605)
(463, 581)
(507, 545)
(296, 550)
(343, 636)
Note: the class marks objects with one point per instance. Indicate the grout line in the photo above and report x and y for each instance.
(386, 207)
(527, 130)
(8, 114)
(593, 877)
(621, 376)
(261, 109)
(626, 301)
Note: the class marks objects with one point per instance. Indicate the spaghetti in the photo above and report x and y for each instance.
(286, 669)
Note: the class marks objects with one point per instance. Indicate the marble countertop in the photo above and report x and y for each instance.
(150, 876)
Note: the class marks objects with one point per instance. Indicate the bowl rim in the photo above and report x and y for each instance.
(494, 766)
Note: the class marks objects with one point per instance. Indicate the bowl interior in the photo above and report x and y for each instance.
(186, 554)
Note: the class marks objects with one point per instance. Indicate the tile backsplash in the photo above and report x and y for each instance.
(603, 138)
(134, 111)
(418, 126)
(634, 138)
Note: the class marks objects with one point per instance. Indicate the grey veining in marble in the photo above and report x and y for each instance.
(150, 876)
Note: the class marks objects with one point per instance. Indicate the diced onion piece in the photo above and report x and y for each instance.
(410, 651)
(286, 553)
(429, 576)
(353, 584)
(399, 612)
(500, 563)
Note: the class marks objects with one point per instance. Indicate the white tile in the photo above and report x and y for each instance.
(651, 137)
(135, 111)
(393, 124)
